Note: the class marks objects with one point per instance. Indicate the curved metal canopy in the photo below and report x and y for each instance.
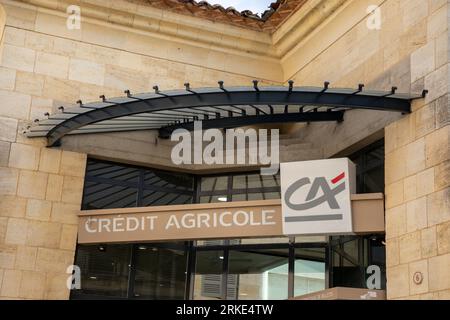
(216, 107)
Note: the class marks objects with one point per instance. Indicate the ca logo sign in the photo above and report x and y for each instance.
(316, 196)
(319, 184)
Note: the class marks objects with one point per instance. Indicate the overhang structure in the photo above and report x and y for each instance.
(219, 108)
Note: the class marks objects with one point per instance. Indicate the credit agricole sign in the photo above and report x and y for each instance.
(317, 199)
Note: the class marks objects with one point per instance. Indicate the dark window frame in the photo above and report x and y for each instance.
(140, 186)
(230, 191)
(228, 245)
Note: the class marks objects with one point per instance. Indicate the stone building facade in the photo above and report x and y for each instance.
(131, 45)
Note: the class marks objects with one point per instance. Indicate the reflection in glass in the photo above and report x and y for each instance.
(214, 183)
(265, 240)
(310, 239)
(108, 196)
(213, 199)
(272, 195)
(239, 197)
(110, 171)
(160, 273)
(258, 275)
(254, 181)
(209, 275)
(240, 187)
(240, 182)
(348, 265)
(309, 276)
(108, 185)
(378, 257)
(156, 198)
(104, 270)
(256, 196)
(370, 168)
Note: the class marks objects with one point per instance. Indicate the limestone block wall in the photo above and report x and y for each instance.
(43, 66)
(417, 174)
(122, 45)
(40, 193)
(346, 52)
(410, 51)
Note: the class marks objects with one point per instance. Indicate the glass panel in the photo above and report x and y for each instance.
(160, 273)
(111, 171)
(214, 183)
(213, 199)
(208, 275)
(278, 180)
(378, 257)
(255, 196)
(265, 240)
(110, 186)
(210, 242)
(272, 195)
(222, 183)
(241, 186)
(104, 270)
(374, 180)
(157, 198)
(310, 239)
(370, 168)
(375, 157)
(239, 182)
(270, 181)
(239, 197)
(346, 269)
(351, 253)
(168, 180)
(107, 196)
(258, 275)
(309, 269)
(208, 184)
(254, 181)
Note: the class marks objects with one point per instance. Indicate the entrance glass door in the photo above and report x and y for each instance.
(230, 270)
(159, 272)
(210, 278)
(258, 274)
(310, 271)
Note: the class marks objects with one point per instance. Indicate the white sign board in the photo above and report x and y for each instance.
(316, 197)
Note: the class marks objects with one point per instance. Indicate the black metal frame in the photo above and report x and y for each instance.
(140, 186)
(192, 248)
(235, 122)
(230, 191)
(216, 108)
(363, 167)
(191, 252)
(290, 246)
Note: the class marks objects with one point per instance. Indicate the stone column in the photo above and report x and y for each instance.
(40, 195)
(418, 175)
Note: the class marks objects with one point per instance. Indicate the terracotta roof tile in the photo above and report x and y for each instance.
(269, 21)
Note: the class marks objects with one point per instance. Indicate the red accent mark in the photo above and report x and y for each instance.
(338, 178)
